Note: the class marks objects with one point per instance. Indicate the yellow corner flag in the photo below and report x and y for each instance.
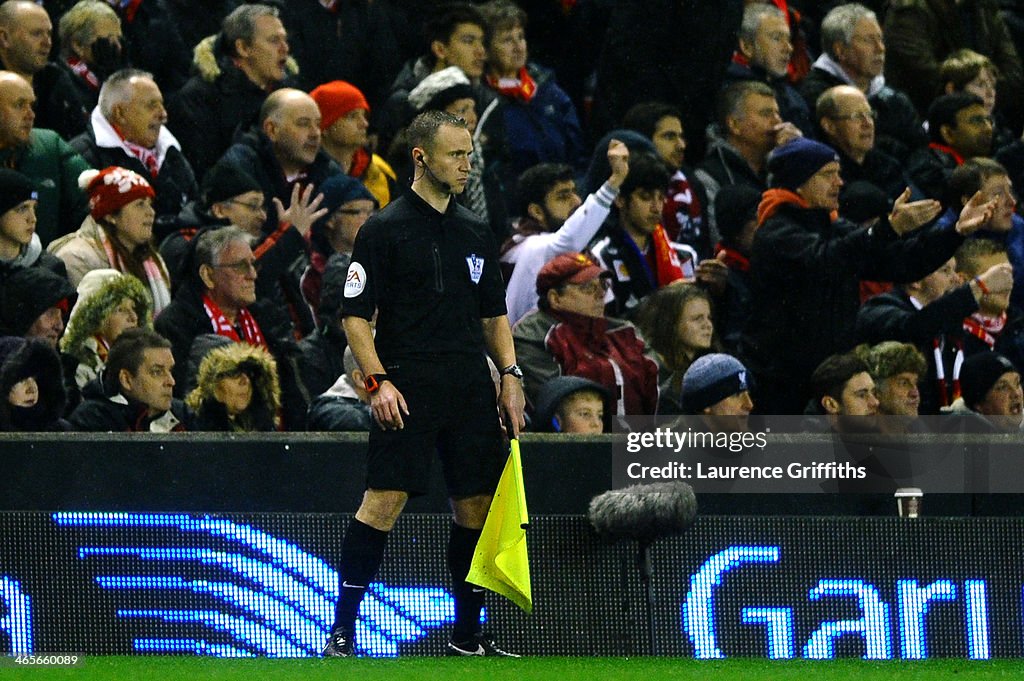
(500, 562)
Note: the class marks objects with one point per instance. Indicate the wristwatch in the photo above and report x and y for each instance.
(373, 382)
(513, 370)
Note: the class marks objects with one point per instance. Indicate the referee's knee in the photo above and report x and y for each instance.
(381, 508)
(471, 512)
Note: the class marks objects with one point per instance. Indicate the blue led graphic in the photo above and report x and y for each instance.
(779, 625)
(274, 600)
(699, 607)
(914, 602)
(872, 626)
(976, 597)
(875, 626)
(17, 623)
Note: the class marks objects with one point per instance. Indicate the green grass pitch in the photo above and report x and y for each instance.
(526, 669)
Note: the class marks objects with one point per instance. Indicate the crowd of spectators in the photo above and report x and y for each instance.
(718, 208)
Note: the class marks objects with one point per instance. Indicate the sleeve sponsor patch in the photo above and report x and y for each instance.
(355, 280)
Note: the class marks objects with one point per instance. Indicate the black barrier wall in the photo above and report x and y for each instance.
(325, 473)
(264, 584)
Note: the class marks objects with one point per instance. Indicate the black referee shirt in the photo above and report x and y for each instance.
(430, 276)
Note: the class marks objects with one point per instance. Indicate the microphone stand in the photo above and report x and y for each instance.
(643, 563)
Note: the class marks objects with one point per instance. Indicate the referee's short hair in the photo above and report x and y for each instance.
(423, 129)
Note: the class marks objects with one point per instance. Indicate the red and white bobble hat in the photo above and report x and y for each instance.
(111, 188)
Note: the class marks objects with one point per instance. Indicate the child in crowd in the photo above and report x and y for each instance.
(571, 404)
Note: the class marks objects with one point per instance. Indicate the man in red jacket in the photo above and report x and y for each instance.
(569, 335)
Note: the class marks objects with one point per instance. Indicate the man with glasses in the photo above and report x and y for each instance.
(853, 53)
(220, 295)
(959, 128)
(569, 335)
(847, 123)
(215, 299)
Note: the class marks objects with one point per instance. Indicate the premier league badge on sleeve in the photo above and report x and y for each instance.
(476, 267)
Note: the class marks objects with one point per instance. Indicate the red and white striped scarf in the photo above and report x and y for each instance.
(82, 70)
(156, 276)
(985, 328)
(251, 333)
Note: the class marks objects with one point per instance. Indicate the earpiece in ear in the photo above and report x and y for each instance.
(419, 159)
(556, 424)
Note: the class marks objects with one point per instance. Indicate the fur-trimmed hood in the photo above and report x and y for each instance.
(32, 358)
(210, 59)
(231, 359)
(99, 293)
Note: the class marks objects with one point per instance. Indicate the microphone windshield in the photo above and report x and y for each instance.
(644, 512)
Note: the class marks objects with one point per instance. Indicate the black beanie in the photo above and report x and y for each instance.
(735, 206)
(979, 373)
(15, 188)
(225, 181)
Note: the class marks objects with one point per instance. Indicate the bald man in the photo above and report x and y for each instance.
(43, 156)
(285, 157)
(25, 41)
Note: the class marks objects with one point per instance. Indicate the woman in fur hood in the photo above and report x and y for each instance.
(108, 303)
(236, 390)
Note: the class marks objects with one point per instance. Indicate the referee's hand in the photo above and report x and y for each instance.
(388, 405)
(511, 405)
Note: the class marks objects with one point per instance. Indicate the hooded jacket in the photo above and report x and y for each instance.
(228, 360)
(92, 308)
(220, 99)
(32, 359)
(26, 293)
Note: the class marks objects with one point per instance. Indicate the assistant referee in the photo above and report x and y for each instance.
(428, 268)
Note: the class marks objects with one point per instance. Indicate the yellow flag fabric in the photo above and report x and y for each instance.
(500, 562)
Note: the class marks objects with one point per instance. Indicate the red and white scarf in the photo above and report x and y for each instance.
(82, 70)
(667, 267)
(522, 88)
(250, 330)
(156, 276)
(148, 157)
(948, 392)
(985, 328)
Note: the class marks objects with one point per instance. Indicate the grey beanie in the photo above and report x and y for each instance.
(710, 379)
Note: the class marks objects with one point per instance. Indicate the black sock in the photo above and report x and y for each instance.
(469, 598)
(361, 556)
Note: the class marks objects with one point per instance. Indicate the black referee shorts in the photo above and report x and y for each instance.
(452, 411)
